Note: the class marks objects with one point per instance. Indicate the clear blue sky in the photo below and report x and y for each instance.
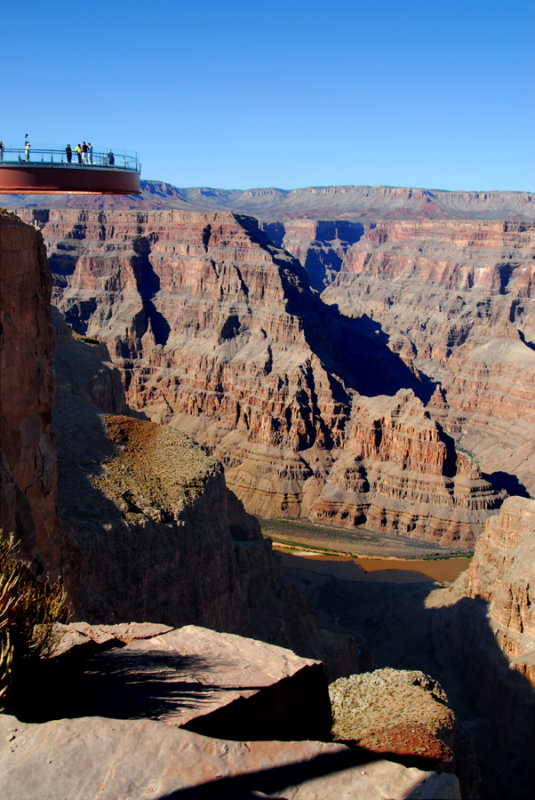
(233, 94)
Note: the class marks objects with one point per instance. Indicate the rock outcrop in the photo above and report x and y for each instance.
(399, 712)
(217, 684)
(406, 714)
(154, 689)
(217, 332)
(152, 532)
(28, 459)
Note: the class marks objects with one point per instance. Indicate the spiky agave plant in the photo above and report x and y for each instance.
(28, 609)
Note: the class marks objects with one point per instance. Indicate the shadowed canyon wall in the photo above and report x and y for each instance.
(495, 639)
(28, 458)
(455, 300)
(217, 331)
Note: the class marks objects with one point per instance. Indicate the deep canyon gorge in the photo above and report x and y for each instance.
(374, 368)
(409, 413)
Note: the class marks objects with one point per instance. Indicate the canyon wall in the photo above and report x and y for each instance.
(28, 459)
(456, 301)
(148, 530)
(217, 331)
(151, 531)
(495, 637)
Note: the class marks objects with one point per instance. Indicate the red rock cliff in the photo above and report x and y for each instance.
(29, 481)
(456, 300)
(216, 331)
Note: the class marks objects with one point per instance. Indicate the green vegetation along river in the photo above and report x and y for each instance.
(361, 554)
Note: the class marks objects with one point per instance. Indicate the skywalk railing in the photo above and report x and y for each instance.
(16, 155)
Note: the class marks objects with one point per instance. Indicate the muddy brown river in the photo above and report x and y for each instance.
(360, 554)
(381, 570)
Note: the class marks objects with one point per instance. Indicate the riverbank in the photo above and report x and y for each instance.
(361, 555)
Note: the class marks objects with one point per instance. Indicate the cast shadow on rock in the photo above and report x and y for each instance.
(272, 781)
(148, 285)
(357, 349)
(504, 480)
(112, 684)
(354, 349)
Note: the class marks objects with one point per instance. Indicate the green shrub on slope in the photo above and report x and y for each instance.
(28, 608)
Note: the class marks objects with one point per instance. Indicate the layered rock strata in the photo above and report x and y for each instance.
(456, 301)
(354, 203)
(217, 331)
(152, 532)
(319, 245)
(28, 460)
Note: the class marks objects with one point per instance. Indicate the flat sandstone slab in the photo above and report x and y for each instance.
(214, 683)
(90, 758)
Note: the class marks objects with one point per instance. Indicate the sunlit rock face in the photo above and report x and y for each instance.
(357, 204)
(28, 459)
(217, 331)
(456, 301)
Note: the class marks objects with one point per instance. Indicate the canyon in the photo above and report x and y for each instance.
(416, 423)
(127, 513)
(143, 510)
(401, 398)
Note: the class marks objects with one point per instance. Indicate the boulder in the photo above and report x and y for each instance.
(401, 712)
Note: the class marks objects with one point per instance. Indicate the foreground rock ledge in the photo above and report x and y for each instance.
(218, 684)
(90, 758)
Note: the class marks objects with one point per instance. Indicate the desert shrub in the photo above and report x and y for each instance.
(28, 609)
